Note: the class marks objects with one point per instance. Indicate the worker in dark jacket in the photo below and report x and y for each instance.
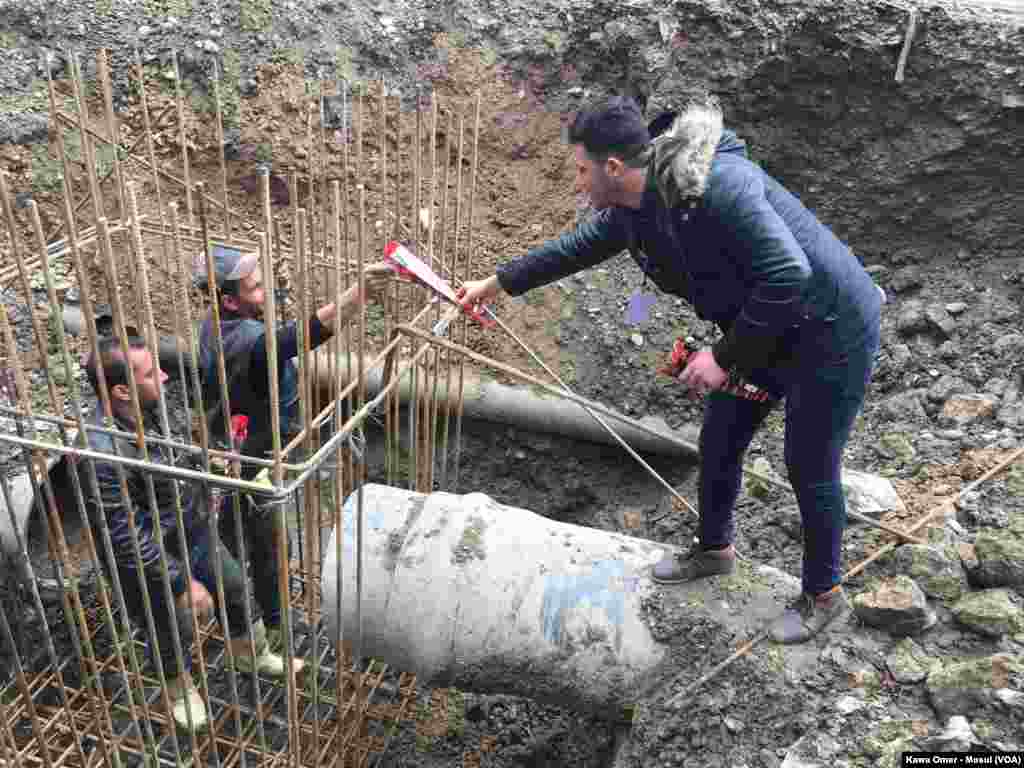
(240, 293)
(799, 316)
(133, 524)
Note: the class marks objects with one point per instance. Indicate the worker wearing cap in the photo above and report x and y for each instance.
(799, 315)
(239, 292)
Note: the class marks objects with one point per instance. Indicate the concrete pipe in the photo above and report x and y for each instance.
(467, 592)
(169, 347)
(489, 400)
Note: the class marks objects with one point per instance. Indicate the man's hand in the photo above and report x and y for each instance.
(703, 374)
(474, 292)
(376, 278)
(202, 602)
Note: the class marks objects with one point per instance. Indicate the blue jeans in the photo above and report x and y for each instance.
(821, 404)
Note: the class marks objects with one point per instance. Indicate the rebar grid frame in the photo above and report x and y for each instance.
(110, 709)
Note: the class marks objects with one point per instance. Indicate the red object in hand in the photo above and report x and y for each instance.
(239, 429)
(734, 385)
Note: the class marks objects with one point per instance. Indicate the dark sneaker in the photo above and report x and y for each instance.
(698, 563)
(810, 614)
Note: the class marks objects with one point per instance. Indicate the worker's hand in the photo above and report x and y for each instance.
(703, 374)
(202, 602)
(376, 278)
(474, 292)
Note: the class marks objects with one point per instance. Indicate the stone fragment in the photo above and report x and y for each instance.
(897, 605)
(964, 410)
(905, 406)
(939, 576)
(945, 387)
(956, 307)
(1000, 561)
(961, 688)
(911, 320)
(896, 446)
(939, 320)
(870, 494)
(908, 663)
(957, 736)
(991, 612)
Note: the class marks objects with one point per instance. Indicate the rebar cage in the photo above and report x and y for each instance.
(84, 686)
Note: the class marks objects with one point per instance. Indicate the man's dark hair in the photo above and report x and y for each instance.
(113, 360)
(615, 127)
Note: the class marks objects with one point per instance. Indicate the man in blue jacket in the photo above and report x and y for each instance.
(799, 316)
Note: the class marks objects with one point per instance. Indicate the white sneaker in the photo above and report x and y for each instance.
(185, 701)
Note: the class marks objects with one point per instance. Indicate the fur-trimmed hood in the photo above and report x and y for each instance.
(682, 155)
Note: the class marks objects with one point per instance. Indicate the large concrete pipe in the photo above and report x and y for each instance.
(467, 592)
(489, 400)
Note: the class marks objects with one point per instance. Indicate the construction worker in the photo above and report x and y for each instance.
(135, 518)
(240, 295)
(799, 314)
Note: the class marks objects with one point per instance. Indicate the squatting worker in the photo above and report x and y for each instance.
(239, 291)
(799, 314)
(105, 501)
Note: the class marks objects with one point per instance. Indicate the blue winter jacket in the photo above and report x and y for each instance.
(746, 254)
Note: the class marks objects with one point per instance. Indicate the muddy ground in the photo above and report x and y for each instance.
(951, 328)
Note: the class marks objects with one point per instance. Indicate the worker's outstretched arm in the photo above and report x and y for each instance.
(595, 240)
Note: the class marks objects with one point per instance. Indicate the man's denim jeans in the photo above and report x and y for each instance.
(821, 404)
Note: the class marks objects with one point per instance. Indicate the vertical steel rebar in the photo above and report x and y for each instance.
(183, 141)
(220, 149)
(465, 276)
(88, 154)
(103, 73)
(433, 359)
(413, 407)
(446, 269)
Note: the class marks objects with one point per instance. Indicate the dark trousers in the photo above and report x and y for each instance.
(201, 554)
(261, 548)
(821, 404)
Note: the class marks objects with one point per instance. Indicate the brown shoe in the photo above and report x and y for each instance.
(698, 563)
(808, 616)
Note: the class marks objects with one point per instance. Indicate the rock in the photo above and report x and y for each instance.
(964, 410)
(956, 737)
(939, 320)
(896, 446)
(637, 339)
(906, 406)
(903, 280)
(950, 351)
(888, 739)
(846, 705)
(867, 493)
(23, 127)
(1009, 347)
(1000, 561)
(911, 319)
(964, 687)
(897, 605)
(991, 612)
(335, 110)
(938, 576)
(968, 556)
(956, 308)
(908, 663)
(812, 751)
(946, 387)
(901, 355)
